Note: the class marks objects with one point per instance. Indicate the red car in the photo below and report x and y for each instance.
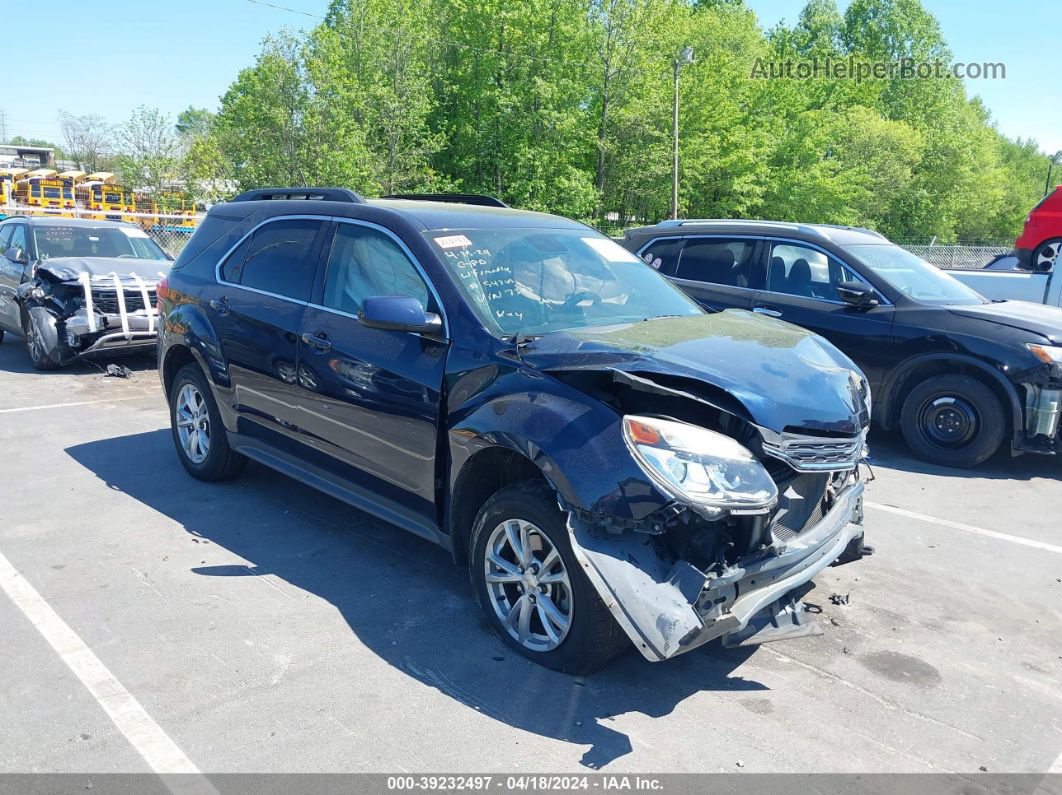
(1037, 248)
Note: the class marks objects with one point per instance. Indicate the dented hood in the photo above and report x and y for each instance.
(68, 268)
(1022, 315)
(782, 375)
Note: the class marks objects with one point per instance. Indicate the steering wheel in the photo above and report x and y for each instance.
(575, 298)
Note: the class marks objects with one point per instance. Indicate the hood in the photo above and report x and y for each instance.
(69, 268)
(1023, 315)
(783, 376)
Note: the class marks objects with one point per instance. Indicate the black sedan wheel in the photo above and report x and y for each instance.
(953, 420)
(531, 588)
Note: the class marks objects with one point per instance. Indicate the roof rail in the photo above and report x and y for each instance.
(853, 229)
(319, 194)
(456, 198)
(734, 221)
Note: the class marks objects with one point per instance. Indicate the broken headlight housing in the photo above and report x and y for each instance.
(702, 467)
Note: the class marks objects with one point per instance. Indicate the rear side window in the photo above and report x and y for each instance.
(720, 261)
(281, 258)
(663, 254)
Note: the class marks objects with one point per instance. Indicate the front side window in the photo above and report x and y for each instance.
(122, 242)
(365, 263)
(718, 261)
(5, 236)
(281, 258)
(806, 272)
(18, 240)
(913, 276)
(534, 281)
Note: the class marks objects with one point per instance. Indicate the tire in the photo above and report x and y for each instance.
(1045, 257)
(953, 420)
(592, 637)
(41, 338)
(190, 394)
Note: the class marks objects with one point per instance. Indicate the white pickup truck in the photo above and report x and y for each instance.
(1039, 287)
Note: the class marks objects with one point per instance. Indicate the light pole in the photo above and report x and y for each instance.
(685, 59)
(1050, 166)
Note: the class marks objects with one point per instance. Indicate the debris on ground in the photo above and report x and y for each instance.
(118, 371)
(839, 599)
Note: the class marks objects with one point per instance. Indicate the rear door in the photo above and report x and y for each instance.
(370, 398)
(264, 286)
(801, 288)
(719, 272)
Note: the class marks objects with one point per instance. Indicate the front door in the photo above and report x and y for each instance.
(371, 397)
(12, 242)
(802, 289)
(256, 310)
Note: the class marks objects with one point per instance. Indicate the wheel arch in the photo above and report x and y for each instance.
(919, 368)
(484, 474)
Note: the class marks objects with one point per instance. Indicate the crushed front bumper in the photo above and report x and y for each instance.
(668, 610)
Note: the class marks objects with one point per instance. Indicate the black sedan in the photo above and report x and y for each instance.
(958, 374)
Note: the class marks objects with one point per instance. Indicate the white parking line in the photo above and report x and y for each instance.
(146, 736)
(1027, 542)
(78, 403)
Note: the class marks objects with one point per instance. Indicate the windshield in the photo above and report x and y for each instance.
(531, 281)
(95, 241)
(913, 276)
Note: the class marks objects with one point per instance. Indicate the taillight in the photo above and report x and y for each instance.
(162, 289)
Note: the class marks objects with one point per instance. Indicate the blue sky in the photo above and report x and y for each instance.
(180, 54)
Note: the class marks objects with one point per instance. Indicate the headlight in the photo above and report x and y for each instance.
(1048, 354)
(700, 466)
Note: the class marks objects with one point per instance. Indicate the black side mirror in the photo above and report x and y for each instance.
(857, 294)
(399, 313)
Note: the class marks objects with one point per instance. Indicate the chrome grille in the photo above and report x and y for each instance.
(816, 453)
(106, 300)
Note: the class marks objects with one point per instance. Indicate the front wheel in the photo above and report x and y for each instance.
(40, 334)
(532, 589)
(953, 420)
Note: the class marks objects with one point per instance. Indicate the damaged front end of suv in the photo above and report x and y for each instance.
(716, 474)
(78, 306)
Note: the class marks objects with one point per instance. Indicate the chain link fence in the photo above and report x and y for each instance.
(959, 256)
(170, 231)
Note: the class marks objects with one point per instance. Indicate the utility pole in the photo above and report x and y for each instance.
(3, 126)
(1050, 167)
(685, 58)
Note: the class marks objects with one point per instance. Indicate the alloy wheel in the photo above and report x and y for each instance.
(1047, 255)
(34, 340)
(528, 585)
(193, 424)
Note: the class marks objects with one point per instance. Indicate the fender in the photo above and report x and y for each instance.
(901, 370)
(565, 434)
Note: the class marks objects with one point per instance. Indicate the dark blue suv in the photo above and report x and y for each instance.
(613, 463)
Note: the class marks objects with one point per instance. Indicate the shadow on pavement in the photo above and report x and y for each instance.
(889, 450)
(403, 598)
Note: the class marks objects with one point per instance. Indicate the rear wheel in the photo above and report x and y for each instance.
(953, 420)
(1046, 255)
(532, 589)
(198, 433)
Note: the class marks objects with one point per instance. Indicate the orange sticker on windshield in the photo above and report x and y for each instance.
(453, 241)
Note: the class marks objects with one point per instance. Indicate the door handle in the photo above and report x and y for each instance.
(764, 310)
(220, 305)
(319, 342)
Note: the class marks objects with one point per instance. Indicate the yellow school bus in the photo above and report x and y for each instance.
(103, 199)
(9, 177)
(30, 189)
